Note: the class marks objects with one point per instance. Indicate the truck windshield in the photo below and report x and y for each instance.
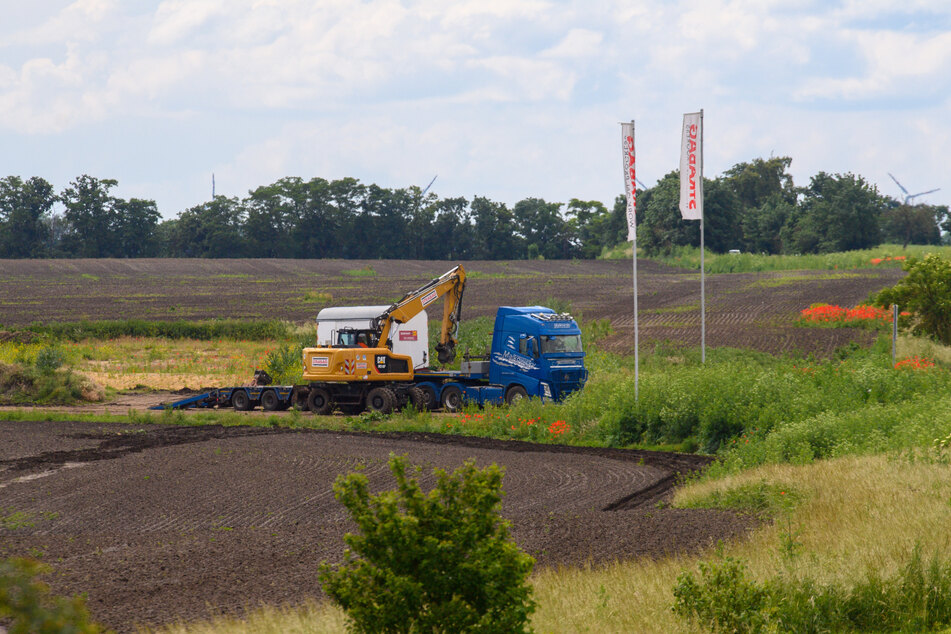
(561, 343)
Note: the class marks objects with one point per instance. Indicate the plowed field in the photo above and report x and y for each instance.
(159, 524)
(752, 310)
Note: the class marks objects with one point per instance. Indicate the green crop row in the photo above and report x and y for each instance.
(882, 256)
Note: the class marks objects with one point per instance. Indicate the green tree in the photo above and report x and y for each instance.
(90, 216)
(451, 231)
(214, 229)
(663, 227)
(25, 212)
(589, 221)
(926, 292)
(839, 212)
(436, 562)
(494, 236)
(912, 224)
(760, 181)
(134, 228)
(544, 229)
(272, 213)
(721, 217)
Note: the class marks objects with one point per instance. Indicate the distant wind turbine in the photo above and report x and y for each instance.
(908, 196)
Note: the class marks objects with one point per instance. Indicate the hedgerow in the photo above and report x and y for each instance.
(201, 330)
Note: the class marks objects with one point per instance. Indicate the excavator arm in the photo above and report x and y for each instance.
(452, 284)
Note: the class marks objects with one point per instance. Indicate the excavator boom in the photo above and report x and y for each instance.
(452, 284)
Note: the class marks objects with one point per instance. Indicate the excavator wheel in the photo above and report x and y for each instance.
(381, 399)
(318, 401)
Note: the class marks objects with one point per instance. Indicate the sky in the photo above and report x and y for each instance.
(506, 99)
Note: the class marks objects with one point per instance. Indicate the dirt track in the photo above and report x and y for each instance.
(162, 523)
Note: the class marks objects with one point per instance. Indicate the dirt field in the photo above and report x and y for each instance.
(159, 524)
(754, 310)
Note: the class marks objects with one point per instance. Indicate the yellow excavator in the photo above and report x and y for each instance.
(368, 374)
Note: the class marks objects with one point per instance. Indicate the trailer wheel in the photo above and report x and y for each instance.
(241, 401)
(515, 394)
(452, 399)
(429, 398)
(318, 401)
(381, 399)
(270, 401)
(418, 399)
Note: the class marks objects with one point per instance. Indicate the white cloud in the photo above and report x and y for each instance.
(511, 97)
(576, 43)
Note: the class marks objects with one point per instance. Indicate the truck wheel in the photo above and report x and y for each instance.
(298, 399)
(418, 399)
(270, 401)
(241, 401)
(318, 401)
(429, 398)
(515, 394)
(452, 399)
(381, 399)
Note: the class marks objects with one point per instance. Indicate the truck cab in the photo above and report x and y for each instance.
(536, 352)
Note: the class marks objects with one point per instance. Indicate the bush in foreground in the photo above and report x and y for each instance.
(31, 609)
(432, 562)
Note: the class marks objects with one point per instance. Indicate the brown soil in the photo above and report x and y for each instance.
(165, 523)
(749, 310)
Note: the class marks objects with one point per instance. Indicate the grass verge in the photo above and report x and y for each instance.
(852, 519)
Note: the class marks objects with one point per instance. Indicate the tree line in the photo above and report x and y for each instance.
(752, 207)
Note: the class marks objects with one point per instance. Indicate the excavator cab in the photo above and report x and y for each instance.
(354, 338)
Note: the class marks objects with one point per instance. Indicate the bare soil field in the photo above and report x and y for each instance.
(748, 310)
(166, 523)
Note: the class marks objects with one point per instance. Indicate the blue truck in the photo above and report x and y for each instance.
(535, 352)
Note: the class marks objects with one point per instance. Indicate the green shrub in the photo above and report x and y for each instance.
(917, 599)
(30, 608)
(723, 599)
(284, 364)
(21, 384)
(926, 291)
(436, 562)
(49, 359)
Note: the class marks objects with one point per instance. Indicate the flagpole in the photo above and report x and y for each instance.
(630, 189)
(703, 275)
(636, 330)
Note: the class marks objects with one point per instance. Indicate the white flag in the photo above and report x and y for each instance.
(630, 183)
(691, 167)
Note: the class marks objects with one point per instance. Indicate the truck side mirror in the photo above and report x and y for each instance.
(533, 346)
